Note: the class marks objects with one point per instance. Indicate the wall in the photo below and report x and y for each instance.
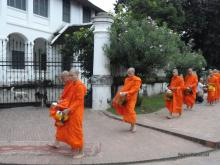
(153, 89)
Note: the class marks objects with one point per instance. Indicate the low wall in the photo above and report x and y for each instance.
(153, 89)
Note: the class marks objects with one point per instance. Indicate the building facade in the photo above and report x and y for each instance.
(27, 29)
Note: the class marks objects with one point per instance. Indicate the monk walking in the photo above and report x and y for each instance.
(125, 100)
(71, 132)
(217, 75)
(191, 82)
(62, 99)
(212, 87)
(176, 86)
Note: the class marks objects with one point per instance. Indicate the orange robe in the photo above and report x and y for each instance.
(66, 89)
(212, 95)
(132, 85)
(62, 102)
(175, 105)
(217, 75)
(72, 130)
(192, 82)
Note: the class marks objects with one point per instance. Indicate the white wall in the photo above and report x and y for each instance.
(32, 26)
(153, 89)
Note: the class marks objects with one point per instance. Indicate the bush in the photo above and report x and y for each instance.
(144, 45)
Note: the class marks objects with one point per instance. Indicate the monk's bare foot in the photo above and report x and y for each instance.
(133, 129)
(54, 145)
(78, 155)
(170, 117)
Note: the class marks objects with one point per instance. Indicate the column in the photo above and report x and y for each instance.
(101, 79)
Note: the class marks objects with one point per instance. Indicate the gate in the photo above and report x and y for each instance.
(29, 73)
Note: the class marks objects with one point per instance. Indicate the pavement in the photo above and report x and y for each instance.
(25, 133)
(202, 122)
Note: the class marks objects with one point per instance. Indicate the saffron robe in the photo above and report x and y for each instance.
(71, 132)
(192, 82)
(217, 75)
(62, 102)
(131, 86)
(177, 86)
(212, 94)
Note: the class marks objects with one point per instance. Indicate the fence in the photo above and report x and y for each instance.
(29, 73)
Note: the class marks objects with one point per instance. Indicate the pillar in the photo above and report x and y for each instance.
(101, 79)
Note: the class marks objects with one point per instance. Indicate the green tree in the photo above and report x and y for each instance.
(202, 25)
(198, 20)
(79, 46)
(146, 46)
(169, 11)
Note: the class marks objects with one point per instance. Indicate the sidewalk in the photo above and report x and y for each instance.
(24, 133)
(202, 122)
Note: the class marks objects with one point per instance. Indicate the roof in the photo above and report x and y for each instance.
(89, 4)
(58, 37)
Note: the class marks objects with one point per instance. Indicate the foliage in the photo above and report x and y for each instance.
(197, 20)
(202, 25)
(79, 46)
(169, 11)
(146, 46)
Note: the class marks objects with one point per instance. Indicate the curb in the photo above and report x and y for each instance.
(211, 144)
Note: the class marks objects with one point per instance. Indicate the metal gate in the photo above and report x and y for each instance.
(29, 73)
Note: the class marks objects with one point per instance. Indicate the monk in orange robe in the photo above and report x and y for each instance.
(212, 87)
(217, 75)
(71, 132)
(191, 82)
(62, 102)
(175, 104)
(129, 93)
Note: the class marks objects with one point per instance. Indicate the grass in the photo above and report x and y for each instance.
(148, 105)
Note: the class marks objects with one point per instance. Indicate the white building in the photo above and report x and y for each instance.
(28, 27)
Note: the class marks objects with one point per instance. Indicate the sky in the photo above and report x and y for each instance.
(107, 5)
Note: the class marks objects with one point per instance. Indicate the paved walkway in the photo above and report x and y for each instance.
(24, 133)
(202, 122)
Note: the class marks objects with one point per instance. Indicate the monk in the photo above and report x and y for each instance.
(190, 90)
(129, 91)
(212, 87)
(71, 132)
(62, 102)
(175, 104)
(217, 75)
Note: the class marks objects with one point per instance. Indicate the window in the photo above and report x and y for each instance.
(86, 15)
(41, 7)
(40, 61)
(66, 10)
(20, 4)
(18, 59)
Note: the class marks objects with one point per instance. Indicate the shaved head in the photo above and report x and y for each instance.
(215, 71)
(74, 74)
(190, 71)
(74, 70)
(64, 76)
(65, 73)
(175, 72)
(131, 71)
